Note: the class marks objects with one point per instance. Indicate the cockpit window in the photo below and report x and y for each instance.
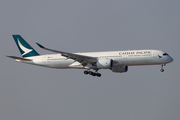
(165, 54)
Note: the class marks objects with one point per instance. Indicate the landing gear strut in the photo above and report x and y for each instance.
(92, 73)
(162, 67)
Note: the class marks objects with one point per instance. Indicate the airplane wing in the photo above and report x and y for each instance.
(84, 60)
(19, 58)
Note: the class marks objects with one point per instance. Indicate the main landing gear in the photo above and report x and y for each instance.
(162, 67)
(92, 73)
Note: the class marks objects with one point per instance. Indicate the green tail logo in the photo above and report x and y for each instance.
(25, 49)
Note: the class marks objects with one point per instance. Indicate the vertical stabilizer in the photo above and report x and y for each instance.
(25, 49)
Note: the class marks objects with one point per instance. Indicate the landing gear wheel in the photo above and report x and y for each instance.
(93, 74)
(98, 75)
(162, 66)
(162, 70)
(90, 72)
(86, 72)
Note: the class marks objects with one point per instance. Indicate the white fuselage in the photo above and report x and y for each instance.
(122, 58)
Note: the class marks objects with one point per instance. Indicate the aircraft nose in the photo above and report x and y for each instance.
(171, 59)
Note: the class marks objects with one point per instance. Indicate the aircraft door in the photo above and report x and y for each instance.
(155, 55)
(125, 56)
(44, 59)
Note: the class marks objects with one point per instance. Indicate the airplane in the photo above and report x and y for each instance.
(116, 61)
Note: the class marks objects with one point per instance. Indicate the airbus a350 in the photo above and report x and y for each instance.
(116, 61)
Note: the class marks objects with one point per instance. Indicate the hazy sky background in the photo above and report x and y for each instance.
(30, 92)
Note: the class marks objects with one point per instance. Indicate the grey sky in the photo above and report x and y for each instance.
(143, 93)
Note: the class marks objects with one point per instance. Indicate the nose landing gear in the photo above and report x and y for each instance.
(162, 67)
(162, 70)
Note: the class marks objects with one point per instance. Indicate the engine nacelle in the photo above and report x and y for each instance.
(104, 63)
(120, 69)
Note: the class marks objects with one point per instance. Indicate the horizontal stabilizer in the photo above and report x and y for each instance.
(19, 58)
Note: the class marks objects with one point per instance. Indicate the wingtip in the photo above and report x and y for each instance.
(40, 45)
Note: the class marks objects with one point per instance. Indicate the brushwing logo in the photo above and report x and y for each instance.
(24, 49)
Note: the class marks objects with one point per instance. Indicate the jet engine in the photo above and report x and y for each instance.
(104, 63)
(120, 69)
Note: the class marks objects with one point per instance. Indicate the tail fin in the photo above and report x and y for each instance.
(25, 49)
